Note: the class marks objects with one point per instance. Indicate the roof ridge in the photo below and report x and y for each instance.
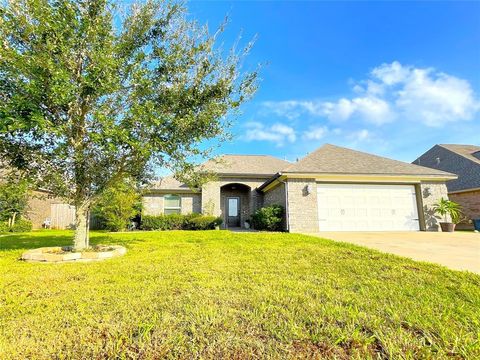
(330, 162)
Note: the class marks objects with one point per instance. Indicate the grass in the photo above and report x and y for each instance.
(232, 295)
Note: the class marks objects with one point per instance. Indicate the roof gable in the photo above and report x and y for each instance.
(470, 152)
(331, 159)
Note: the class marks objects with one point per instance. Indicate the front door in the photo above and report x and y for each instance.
(233, 212)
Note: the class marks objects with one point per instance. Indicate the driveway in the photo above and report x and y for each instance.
(458, 250)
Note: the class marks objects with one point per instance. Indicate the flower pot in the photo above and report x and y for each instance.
(447, 227)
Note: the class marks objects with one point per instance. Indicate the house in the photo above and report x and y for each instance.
(42, 207)
(331, 189)
(464, 161)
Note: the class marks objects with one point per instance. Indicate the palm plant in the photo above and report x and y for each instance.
(447, 207)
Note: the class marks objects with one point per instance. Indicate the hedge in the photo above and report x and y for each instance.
(179, 222)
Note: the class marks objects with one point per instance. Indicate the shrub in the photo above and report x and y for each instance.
(4, 227)
(205, 222)
(268, 218)
(150, 222)
(165, 222)
(179, 222)
(21, 225)
(117, 206)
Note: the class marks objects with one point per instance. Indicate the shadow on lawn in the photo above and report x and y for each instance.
(36, 240)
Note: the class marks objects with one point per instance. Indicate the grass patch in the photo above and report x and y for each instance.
(216, 294)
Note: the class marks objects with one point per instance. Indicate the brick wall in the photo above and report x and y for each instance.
(302, 206)
(470, 202)
(152, 204)
(277, 196)
(431, 193)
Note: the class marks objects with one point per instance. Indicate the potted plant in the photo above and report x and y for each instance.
(446, 207)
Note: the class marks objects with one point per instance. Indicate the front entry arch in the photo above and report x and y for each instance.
(235, 204)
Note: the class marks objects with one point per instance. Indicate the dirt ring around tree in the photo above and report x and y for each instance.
(66, 254)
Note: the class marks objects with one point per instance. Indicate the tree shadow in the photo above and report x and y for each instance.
(35, 240)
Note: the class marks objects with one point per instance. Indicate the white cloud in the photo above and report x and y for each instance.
(360, 135)
(292, 109)
(278, 133)
(437, 98)
(315, 133)
(393, 91)
(391, 74)
(370, 108)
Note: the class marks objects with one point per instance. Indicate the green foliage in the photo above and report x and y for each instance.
(205, 222)
(228, 295)
(13, 198)
(22, 225)
(163, 222)
(180, 222)
(446, 207)
(268, 218)
(91, 93)
(4, 227)
(117, 206)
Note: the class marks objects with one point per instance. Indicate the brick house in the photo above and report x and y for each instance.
(331, 189)
(464, 161)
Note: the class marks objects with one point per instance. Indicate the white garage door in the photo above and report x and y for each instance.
(355, 207)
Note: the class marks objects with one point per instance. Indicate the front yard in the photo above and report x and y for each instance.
(217, 294)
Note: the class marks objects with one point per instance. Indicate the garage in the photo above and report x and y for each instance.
(367, 207)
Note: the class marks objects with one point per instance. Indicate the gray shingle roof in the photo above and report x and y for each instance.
(470, 152)
(331, 159)
(264, 165)
(463, 160)
(168, 183)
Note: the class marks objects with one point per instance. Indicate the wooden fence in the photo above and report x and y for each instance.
(63, 216)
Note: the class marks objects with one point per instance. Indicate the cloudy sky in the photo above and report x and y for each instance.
(388, 78)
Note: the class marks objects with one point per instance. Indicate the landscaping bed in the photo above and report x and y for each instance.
(66, 253)
(217, 294)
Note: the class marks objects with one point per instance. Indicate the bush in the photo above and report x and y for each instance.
(179, 222)
(268, 218)
(205, 222)
(22, 225)
(165, 222)
(117, 206)
(4, 227)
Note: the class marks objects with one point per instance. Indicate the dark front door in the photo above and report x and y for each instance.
(233, 212)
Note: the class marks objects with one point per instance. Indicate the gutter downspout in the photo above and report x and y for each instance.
(287, 217)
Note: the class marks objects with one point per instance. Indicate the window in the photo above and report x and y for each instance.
(172, 204)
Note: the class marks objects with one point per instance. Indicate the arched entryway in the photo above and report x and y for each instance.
(235, 204)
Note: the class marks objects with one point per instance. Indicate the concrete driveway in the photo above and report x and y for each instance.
(458, 250)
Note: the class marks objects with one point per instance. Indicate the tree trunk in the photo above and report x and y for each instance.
(82, 225)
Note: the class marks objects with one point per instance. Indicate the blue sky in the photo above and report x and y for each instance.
(390, 78)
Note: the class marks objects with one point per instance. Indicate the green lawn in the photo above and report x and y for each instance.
(232, 295)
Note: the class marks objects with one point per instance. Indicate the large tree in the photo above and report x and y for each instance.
(91, 93)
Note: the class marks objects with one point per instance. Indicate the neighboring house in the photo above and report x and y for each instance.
(42, 207)
(331, 189)
(464, 161)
